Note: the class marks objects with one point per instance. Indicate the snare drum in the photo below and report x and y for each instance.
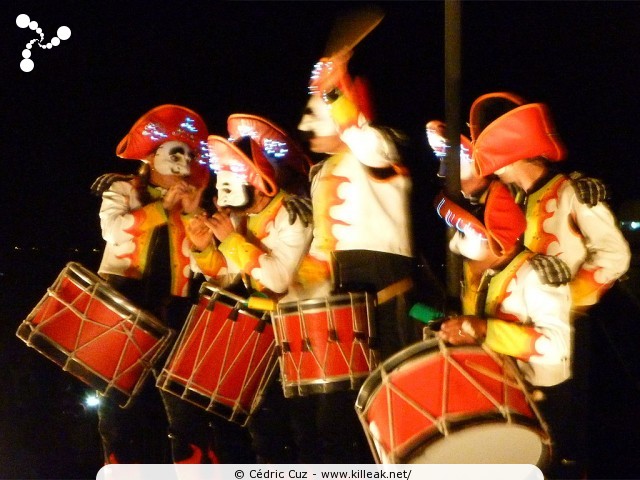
(95, 333)
(461, 405)
(325, 343)
(224, 358)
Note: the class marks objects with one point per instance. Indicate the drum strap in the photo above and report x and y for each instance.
(395, 289)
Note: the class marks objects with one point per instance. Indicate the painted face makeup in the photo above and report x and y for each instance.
(173, 158)
(317, 119)
(232, 189)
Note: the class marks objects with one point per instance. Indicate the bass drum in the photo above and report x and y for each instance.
(438, 404)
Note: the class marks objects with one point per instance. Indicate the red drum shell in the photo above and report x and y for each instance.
(95, 333)
(434, 404)
(224, 357)
(325, 343)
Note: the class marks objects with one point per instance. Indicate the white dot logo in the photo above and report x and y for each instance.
(23, 21)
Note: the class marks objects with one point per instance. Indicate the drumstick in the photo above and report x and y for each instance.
(350, 29)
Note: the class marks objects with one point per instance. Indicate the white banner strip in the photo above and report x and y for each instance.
(319, 472)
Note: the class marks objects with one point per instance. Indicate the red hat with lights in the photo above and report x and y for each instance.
(522, 131)
(163, 124)
(244, 158)
(277, 147)
(332, 73)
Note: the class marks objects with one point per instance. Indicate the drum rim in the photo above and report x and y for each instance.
(210, 287)
(86, 373)
(236, 413)
(309, 304)
(115, 301)
(140, 318)
(341, 383)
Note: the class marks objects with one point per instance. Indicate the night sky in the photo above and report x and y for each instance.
(61, 121)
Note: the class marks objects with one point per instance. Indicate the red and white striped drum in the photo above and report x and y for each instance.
(325, 343)
(434, 404)
(95, 333)
(224, 358)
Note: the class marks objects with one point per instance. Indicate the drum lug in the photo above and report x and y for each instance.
(261, 325)
(333, 335)
(233, 314)
(212, 302)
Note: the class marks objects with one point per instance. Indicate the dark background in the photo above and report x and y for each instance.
(62, 121)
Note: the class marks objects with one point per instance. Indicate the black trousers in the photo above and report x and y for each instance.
(326, 429)
(325, 426)
(365, 270)
(157, 426)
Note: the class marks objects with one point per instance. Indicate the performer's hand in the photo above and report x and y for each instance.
(199, 233)
(551, 270)
(298, 207)
(220, 224)
(589, 190)
(346, 97)
(463, 330)
(437, 137)
(191, 199)
(330, 74)
(173, 197)
(104, 182)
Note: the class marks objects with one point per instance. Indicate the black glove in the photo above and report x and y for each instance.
(103, 182)
(551, 270)
(589, 190)
(298, 207)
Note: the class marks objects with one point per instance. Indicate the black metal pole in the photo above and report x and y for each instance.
(452, 43)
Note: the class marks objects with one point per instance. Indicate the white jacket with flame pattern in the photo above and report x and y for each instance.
(128, 227)
(586, 238)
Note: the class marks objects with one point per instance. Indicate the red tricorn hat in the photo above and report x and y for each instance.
(504, 131)
(163, 124)
(252, 166)
(278, 148)
(488, 107)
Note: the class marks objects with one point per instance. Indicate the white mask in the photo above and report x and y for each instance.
(232, 191)
(173, 158)
(317, 119)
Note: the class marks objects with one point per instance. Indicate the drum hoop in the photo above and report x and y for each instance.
(235, 413)
(375, 383)
(391, 363)
(465, 421)
(162, 335)
(321, 304)
(87, 374)
(193, 391)
(336, 383)
(231, 300)
(112, 299)
(100, 290)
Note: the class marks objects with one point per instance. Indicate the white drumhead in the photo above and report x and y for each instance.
(484, 443)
